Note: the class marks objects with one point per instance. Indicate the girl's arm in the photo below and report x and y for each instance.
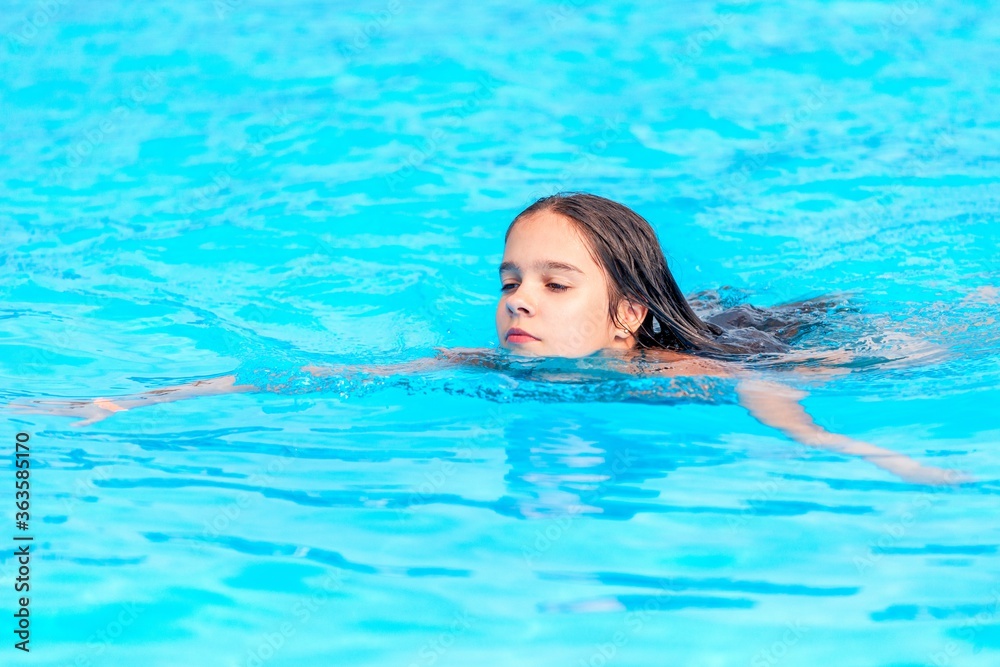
(94, 410)
(778, 406)
(770, 403)
(468, 356)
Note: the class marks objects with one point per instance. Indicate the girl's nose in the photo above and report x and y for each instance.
(518, 304)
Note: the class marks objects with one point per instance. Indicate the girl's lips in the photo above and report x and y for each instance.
(515, 335)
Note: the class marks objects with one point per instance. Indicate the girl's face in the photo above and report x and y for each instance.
(554, 292)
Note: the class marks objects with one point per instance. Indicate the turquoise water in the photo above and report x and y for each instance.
(195, 189)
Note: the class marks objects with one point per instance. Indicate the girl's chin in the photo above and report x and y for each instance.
(522, 351)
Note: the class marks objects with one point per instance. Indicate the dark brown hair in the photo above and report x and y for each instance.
(625, 245)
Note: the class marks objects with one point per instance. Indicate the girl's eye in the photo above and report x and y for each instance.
(554, 286)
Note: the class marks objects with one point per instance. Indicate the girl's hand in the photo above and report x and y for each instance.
(92, 411)
(911, 471)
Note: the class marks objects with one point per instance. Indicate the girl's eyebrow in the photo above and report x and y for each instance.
(544, 265)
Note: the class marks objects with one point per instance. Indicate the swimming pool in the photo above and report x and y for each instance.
(212, 186)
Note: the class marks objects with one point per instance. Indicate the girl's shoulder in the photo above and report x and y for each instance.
(473, 356)
(661, 362)
(654, 361)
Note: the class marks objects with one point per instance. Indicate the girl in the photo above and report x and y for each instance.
(585, 277)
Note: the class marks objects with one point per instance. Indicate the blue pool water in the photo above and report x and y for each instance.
(197, 188)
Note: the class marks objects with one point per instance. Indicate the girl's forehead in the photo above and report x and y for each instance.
(546, 228)
(551, 243)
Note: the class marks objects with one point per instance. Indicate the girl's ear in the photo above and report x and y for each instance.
(631, 315)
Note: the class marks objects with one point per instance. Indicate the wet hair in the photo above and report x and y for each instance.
(625, 245)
